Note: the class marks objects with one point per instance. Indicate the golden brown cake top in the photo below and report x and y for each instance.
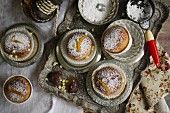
(17, 89)
(17, 43)
(108, 80)
(79, 44)
(115, 39)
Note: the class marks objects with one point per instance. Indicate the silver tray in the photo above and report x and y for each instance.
(73, 20)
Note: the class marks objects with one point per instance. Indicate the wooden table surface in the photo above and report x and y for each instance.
(164, 39)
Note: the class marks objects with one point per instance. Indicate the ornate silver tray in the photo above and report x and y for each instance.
(73, 20)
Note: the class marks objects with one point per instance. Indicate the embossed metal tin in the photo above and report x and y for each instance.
(36, 54)
(73, 20)
(81, 98)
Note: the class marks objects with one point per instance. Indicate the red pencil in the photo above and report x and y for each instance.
(152, 47)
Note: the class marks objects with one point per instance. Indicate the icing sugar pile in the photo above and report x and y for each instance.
(96, 10)
(85, 45)
(113, 38)
(23, 42)
(111, 77)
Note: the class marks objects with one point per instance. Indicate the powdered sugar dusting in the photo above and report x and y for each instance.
(113, 38)
(111, 77)
(96, 10)
(18, 86)
(17, 41)
(85, 45)
(15, 97)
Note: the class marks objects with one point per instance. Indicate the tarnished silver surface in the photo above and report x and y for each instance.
(81, 98)
(73, 20)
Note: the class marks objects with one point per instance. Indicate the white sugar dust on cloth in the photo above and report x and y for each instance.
(96, 10)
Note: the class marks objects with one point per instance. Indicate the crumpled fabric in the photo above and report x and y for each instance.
(41, 102)
(148, 96)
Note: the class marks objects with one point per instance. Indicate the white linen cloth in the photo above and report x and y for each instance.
(11, 13)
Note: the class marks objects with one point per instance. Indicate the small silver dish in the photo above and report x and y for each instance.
(115, 101)
(36, 54)
(107, 8)
(28, 11)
